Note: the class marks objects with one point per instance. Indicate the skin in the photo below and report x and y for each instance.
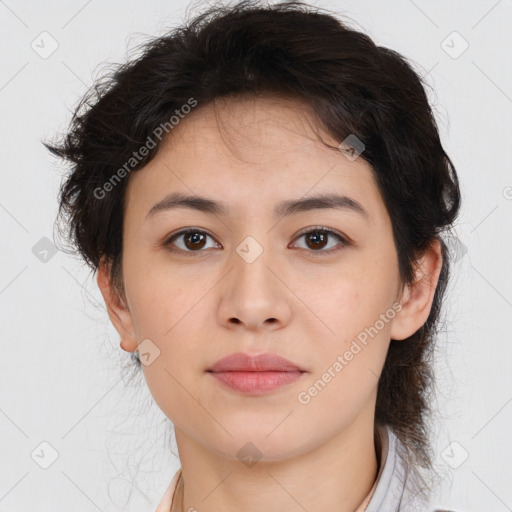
(196, 308)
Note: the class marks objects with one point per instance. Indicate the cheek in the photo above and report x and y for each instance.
(170, 313)
(353, 318)
(348, 363)
(345, 306)
(158, 298)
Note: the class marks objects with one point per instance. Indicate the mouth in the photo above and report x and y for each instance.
(255, 375)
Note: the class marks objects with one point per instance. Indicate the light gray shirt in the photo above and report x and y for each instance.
(399, 488)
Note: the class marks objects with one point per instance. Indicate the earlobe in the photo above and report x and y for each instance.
(418, 297)
(118, 311)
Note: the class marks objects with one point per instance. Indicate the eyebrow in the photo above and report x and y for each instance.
(282, 209)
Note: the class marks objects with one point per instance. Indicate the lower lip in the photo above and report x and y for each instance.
(256, 382)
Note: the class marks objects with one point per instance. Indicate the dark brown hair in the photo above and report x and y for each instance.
(353, 86)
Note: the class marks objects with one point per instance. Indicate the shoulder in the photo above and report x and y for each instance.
(401, 485)
(166, 501)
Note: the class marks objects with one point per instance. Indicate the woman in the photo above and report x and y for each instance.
(263, 194)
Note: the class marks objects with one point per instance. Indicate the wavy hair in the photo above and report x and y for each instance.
(353, 87)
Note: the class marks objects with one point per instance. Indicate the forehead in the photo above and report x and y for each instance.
(251, 130)
(248, 150)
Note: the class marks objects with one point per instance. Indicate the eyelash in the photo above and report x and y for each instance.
(316, 229)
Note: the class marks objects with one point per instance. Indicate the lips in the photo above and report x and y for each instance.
(241, 362)
(255, 374)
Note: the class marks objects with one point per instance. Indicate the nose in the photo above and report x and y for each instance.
(253, 297)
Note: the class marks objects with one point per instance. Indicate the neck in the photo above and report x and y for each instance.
(335, 476)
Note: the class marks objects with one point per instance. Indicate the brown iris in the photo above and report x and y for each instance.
(196, 240)
(318, 238)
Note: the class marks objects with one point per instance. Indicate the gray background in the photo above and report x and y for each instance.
(61, 384)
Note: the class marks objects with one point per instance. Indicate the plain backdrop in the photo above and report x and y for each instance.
(75, 432)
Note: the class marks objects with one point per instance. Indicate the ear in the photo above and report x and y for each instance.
(417, 298)
(118, 311)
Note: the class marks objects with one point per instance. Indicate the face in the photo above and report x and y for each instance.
(316, 285)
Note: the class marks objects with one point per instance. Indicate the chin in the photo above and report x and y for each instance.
(257, 444)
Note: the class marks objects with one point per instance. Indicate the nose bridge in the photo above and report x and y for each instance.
(251, 259)
(254, 247)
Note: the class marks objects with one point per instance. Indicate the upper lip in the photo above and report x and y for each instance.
(240, 362)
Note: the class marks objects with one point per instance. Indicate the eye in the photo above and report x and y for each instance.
(192, 240)
(317, 238)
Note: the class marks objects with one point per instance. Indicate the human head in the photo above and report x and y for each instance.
(347, 87)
